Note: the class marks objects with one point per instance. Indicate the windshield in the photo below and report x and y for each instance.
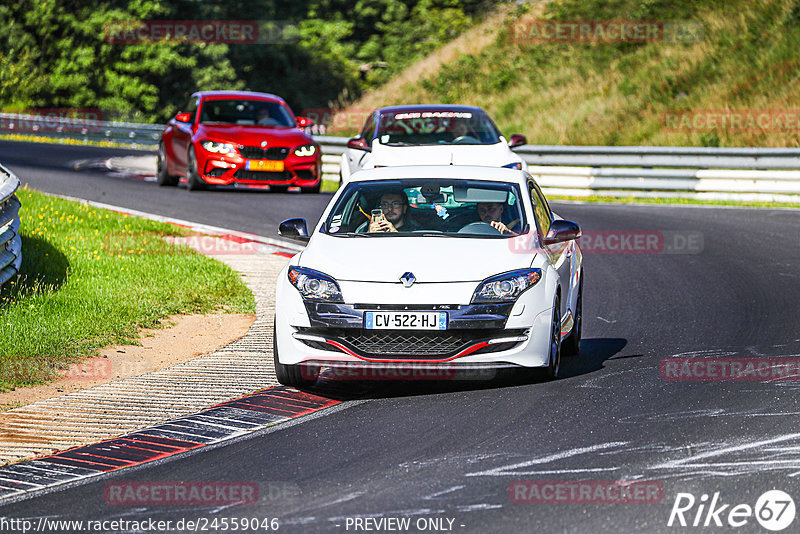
(437, 128)
(440, 207)
(248, 112)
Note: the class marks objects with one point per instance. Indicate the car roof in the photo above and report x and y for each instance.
(428, 107)
(464, 172)
(238, 94)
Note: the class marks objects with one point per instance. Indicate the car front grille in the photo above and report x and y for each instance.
(273, 152)
(395, 344)
(265, 176)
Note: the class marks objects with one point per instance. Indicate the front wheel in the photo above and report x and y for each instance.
(193, 181)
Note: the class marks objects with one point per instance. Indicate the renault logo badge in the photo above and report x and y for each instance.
(264, 144)
(408, 279)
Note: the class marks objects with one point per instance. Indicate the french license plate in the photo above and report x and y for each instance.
(390, 320)
(263, 165)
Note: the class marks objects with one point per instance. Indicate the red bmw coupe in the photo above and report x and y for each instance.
(241, 139)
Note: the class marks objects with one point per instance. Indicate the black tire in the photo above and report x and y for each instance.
(313, 188)
(290, 375)
(193, 181)
(163, 178)
(571, 346)
(554, 363)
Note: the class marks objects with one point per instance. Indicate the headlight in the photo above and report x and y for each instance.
(305, 150)
(314, 285)
(506, 287)
(220, 148)
(516, 165)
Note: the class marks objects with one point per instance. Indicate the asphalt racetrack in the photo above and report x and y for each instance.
(719, 284)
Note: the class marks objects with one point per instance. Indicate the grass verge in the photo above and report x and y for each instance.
(674, 201)
(92, 278)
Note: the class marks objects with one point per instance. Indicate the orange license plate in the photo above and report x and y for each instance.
(263, 165)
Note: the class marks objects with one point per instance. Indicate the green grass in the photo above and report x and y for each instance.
(743, 58)
(30, 138)
(91, 278)
(674, 201)
(329, 186)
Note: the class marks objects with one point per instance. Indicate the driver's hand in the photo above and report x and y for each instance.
(381, 225)
(500, 227)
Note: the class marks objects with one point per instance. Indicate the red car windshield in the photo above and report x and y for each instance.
(247, 112)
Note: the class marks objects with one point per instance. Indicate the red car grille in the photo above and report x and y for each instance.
(273, 152)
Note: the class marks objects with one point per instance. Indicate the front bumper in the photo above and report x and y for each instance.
(477, 335)
(230, 169)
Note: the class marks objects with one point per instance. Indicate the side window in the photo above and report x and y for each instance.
(540, 209)
(191, 107)
(369, 129)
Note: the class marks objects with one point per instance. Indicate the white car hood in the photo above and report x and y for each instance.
(430, 259)
(496, 155)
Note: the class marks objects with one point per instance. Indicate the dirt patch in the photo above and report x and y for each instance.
(189, 336)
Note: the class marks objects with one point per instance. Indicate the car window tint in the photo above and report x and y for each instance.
(448, 206)
(246, 112)
(540, 209)
(368, 131)
(191, 107)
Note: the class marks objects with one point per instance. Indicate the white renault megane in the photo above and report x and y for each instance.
(417, 267)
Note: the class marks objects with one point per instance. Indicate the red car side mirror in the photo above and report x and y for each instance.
(359, 143)
(517, 140)
(304, 122)
(183, 117)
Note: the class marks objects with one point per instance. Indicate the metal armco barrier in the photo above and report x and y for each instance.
(10, 240)
(761, 174)
(129, 133)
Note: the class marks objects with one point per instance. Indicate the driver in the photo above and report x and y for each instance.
(263, 118)
(394, 205)
(492, 213)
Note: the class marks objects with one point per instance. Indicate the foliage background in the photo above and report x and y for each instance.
(54, 53)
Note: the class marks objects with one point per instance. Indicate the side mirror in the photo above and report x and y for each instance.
(183, 117)
(304, 122)
(561, 231)
(359, 143)
(294, 229)
(517, 140)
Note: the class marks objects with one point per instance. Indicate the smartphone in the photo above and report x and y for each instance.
(377, 214)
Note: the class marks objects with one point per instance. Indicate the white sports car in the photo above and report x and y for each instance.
(429, 135)
(416, 267)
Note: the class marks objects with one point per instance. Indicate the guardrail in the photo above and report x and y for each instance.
(10, 240)
(762, 174)
(85, 130)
